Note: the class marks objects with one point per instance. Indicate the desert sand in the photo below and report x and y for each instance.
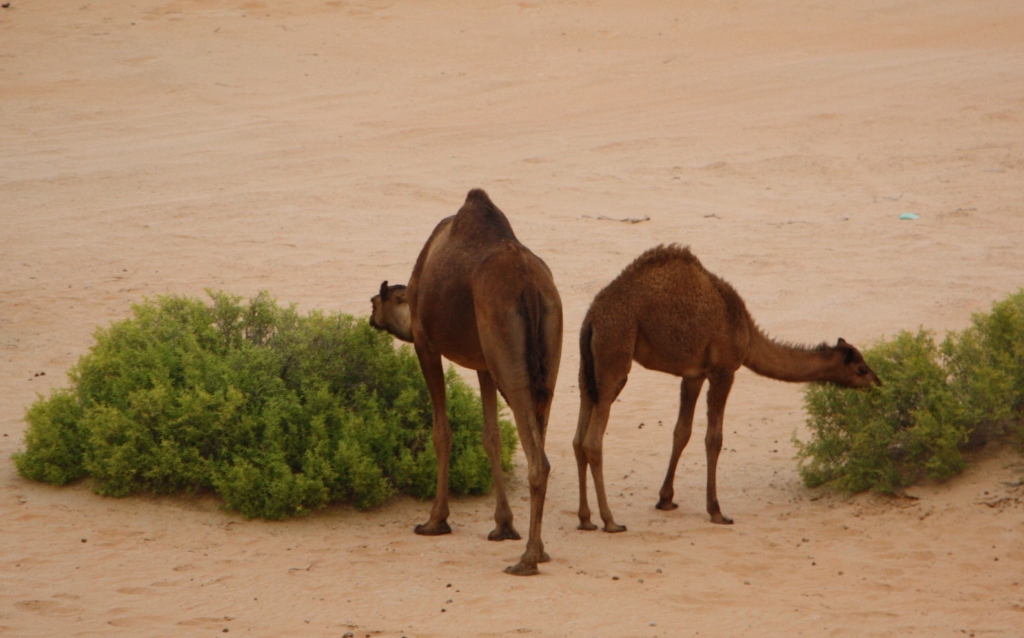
(152, 147)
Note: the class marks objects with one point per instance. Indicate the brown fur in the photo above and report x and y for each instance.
(668, 313)
(484, 301)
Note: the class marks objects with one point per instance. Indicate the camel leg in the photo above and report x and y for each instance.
(718, 393)
(433, 372)
(689, 391)
(586, 408)
(592, 447)
(532, 439)
(503, 529)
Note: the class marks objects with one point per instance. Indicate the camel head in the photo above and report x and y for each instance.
(853, 371)
(391, 311)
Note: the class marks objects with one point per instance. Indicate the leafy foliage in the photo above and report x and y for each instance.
(935, 401)
(278, 413)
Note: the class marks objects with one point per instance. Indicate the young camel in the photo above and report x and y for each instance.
(484, 301)
(668, 313)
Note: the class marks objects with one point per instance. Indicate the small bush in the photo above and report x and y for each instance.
(278, 413)
(935, 402)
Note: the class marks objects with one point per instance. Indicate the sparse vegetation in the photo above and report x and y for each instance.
(937, 401)
(278, 413)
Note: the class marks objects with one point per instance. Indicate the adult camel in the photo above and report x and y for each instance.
(481, 299)
(667, 313)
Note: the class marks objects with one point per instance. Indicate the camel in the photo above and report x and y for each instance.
(481, 299)
(668, 313)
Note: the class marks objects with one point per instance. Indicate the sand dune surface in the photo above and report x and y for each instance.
(307, 148)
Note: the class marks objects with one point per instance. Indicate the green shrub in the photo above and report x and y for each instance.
(278, 413)
(935, 402)
(991, 356)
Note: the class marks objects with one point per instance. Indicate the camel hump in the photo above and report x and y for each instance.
(662, 254)
(478, 197)
(479, 220)
(666, 269)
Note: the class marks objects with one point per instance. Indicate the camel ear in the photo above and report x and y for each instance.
(841, 342)
(384, 290)
(849, 352)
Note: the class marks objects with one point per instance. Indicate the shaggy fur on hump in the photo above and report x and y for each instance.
(665, 253)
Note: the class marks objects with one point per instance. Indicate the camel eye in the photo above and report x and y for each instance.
(862, 370)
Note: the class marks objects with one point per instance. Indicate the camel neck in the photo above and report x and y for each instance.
(787, 362)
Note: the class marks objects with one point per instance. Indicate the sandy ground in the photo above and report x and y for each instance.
(308, 148)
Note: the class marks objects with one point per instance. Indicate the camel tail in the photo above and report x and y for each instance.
(588, 379)
(532, 310)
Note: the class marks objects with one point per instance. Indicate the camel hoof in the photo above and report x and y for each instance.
(587, 526)
(721, 520)
(544, 558)
(433, 529)
(504, 532)
(522, 569)
(666, 506)
(614, 528)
